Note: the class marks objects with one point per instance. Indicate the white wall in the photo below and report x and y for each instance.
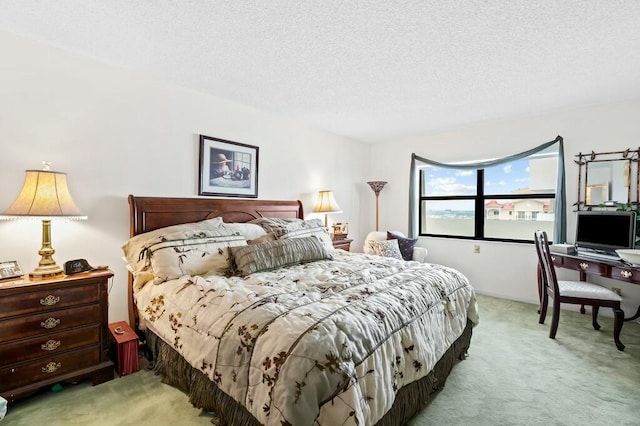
(116, 132)
(505, 269)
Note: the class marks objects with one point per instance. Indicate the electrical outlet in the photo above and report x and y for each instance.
(617, 291)
(476, 248)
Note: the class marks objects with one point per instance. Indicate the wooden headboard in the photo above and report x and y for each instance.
(149, 213)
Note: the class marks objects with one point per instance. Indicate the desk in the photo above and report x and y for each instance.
(615, 270)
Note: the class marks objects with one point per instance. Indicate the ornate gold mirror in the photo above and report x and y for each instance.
(608, 179)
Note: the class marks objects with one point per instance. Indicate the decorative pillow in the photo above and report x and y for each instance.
(191, 253)
(296, 228)
(279, 226)
(386, 248)
(132, 248)
(278, 253)
(405, 244)
(263, 239)
(250, 231)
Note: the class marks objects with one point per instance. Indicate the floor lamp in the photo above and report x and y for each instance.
(377, 187)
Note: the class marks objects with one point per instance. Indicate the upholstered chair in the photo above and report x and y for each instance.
(419, 253)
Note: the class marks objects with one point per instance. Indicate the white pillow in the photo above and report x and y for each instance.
(386, 248)
(132, 248)
(192, 253)
(250, 231)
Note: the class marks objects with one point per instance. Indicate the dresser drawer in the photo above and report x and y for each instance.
(557, 260)
(626, 274)
(48, 322)
(49, 367)
(51, 344)
(53, 330)
(585, 265)
(54, 298)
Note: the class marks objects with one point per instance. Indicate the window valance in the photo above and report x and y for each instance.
(560, 223)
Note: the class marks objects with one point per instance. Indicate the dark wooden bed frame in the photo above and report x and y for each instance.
(150, 213)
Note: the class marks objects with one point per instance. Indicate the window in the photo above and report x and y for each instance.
(241, 160)
(505, 202)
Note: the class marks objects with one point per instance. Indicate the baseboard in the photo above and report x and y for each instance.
(502, 296)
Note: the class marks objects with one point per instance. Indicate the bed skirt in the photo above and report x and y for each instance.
(203, 393)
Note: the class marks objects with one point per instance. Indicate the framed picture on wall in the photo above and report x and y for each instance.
(228, 169)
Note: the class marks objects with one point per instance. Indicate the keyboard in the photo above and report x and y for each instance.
(603, 256)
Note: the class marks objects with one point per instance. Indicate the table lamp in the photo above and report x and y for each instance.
(377, 186)
(326, 204)
(44, 195)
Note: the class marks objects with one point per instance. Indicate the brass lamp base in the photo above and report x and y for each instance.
(47, 267)
(42, 272)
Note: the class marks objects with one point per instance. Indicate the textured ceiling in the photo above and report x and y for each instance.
(371, 70)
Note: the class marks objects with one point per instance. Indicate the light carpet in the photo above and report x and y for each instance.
(514, 375)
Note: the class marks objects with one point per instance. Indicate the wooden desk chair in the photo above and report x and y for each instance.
(575, 292)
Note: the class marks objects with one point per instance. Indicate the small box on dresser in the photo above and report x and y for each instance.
(53, 330)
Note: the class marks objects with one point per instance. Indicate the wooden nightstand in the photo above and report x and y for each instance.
(53, 331)
(341, 242)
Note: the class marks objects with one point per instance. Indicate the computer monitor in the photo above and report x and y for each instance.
(605, 231)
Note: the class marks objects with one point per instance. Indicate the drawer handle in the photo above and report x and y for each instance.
(584, 265)
(52, 367)
(50, 300)
(626, 274)
(51, 345)
(50, 323)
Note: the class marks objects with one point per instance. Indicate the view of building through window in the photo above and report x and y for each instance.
(506, 202)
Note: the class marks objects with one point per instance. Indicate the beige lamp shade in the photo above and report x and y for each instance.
(326, 204)
(44, 194)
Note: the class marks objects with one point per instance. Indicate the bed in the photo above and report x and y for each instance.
(324, 337)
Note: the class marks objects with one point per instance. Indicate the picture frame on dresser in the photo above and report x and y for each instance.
(341, 228)
(227, 168)
(10, 269)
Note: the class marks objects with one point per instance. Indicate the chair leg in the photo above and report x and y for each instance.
(617, 327)
(594, 317)
(555, 320)
(543, 308)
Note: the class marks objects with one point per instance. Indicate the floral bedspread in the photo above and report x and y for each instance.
(324, 343)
